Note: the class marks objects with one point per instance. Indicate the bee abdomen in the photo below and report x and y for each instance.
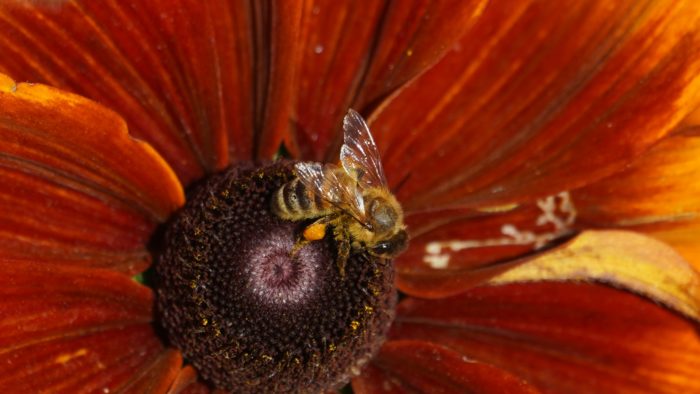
(294, 201)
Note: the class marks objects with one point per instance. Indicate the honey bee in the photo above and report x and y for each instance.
(353, 200)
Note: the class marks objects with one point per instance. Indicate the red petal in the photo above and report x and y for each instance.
(112, 359)
(413, 36)
(452, 250)
(40, 302)
(77, 188)
(196, 388)
(563, 337)
(337, 38)
(66, 330)
(186, 383)
(367, 50)
(438, 283)
(414, 366)
(180, 74)
(280, 31)
(538, 98)
(484, 236)
(157, 377)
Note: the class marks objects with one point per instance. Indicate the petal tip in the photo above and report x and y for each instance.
(7, 84)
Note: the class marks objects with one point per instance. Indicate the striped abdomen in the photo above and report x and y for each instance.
(294, 201)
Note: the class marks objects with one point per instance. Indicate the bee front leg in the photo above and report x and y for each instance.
(342, 238)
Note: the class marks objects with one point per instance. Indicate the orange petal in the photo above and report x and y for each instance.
(685, 240)
(656, 194)
(563, 338)
(539, 98)
(621, 259)
(66, 329)
(692, 120)
(416, 366)
(186, 383)
(656, 190)
(353, 55)
(180, 74)
(77, 188)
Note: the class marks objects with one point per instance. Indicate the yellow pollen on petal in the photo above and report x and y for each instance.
(498, 208)
(64, 358)
(355, 324)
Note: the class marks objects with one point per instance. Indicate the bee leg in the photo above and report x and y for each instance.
(343, 241)
(313, 232)
(298, 245)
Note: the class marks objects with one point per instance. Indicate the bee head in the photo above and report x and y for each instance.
(392, 246)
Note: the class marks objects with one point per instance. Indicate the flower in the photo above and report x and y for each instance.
(539, 149)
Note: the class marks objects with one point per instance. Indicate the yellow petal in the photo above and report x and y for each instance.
(621, 259)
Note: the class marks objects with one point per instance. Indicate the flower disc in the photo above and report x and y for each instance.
(248, 313)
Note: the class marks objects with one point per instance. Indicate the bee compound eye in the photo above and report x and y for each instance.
(381, 248)
(393, 246)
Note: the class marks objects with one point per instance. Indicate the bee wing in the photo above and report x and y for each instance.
(359, 155)
(325, 181)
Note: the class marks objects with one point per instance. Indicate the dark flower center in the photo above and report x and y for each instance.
(250, 315)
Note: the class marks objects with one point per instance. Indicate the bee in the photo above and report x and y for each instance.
(353, 199)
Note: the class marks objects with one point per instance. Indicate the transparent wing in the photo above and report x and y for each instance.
(359, 155)
(333, 185)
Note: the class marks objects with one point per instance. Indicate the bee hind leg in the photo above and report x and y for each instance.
(298, 245)
(313, 232)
